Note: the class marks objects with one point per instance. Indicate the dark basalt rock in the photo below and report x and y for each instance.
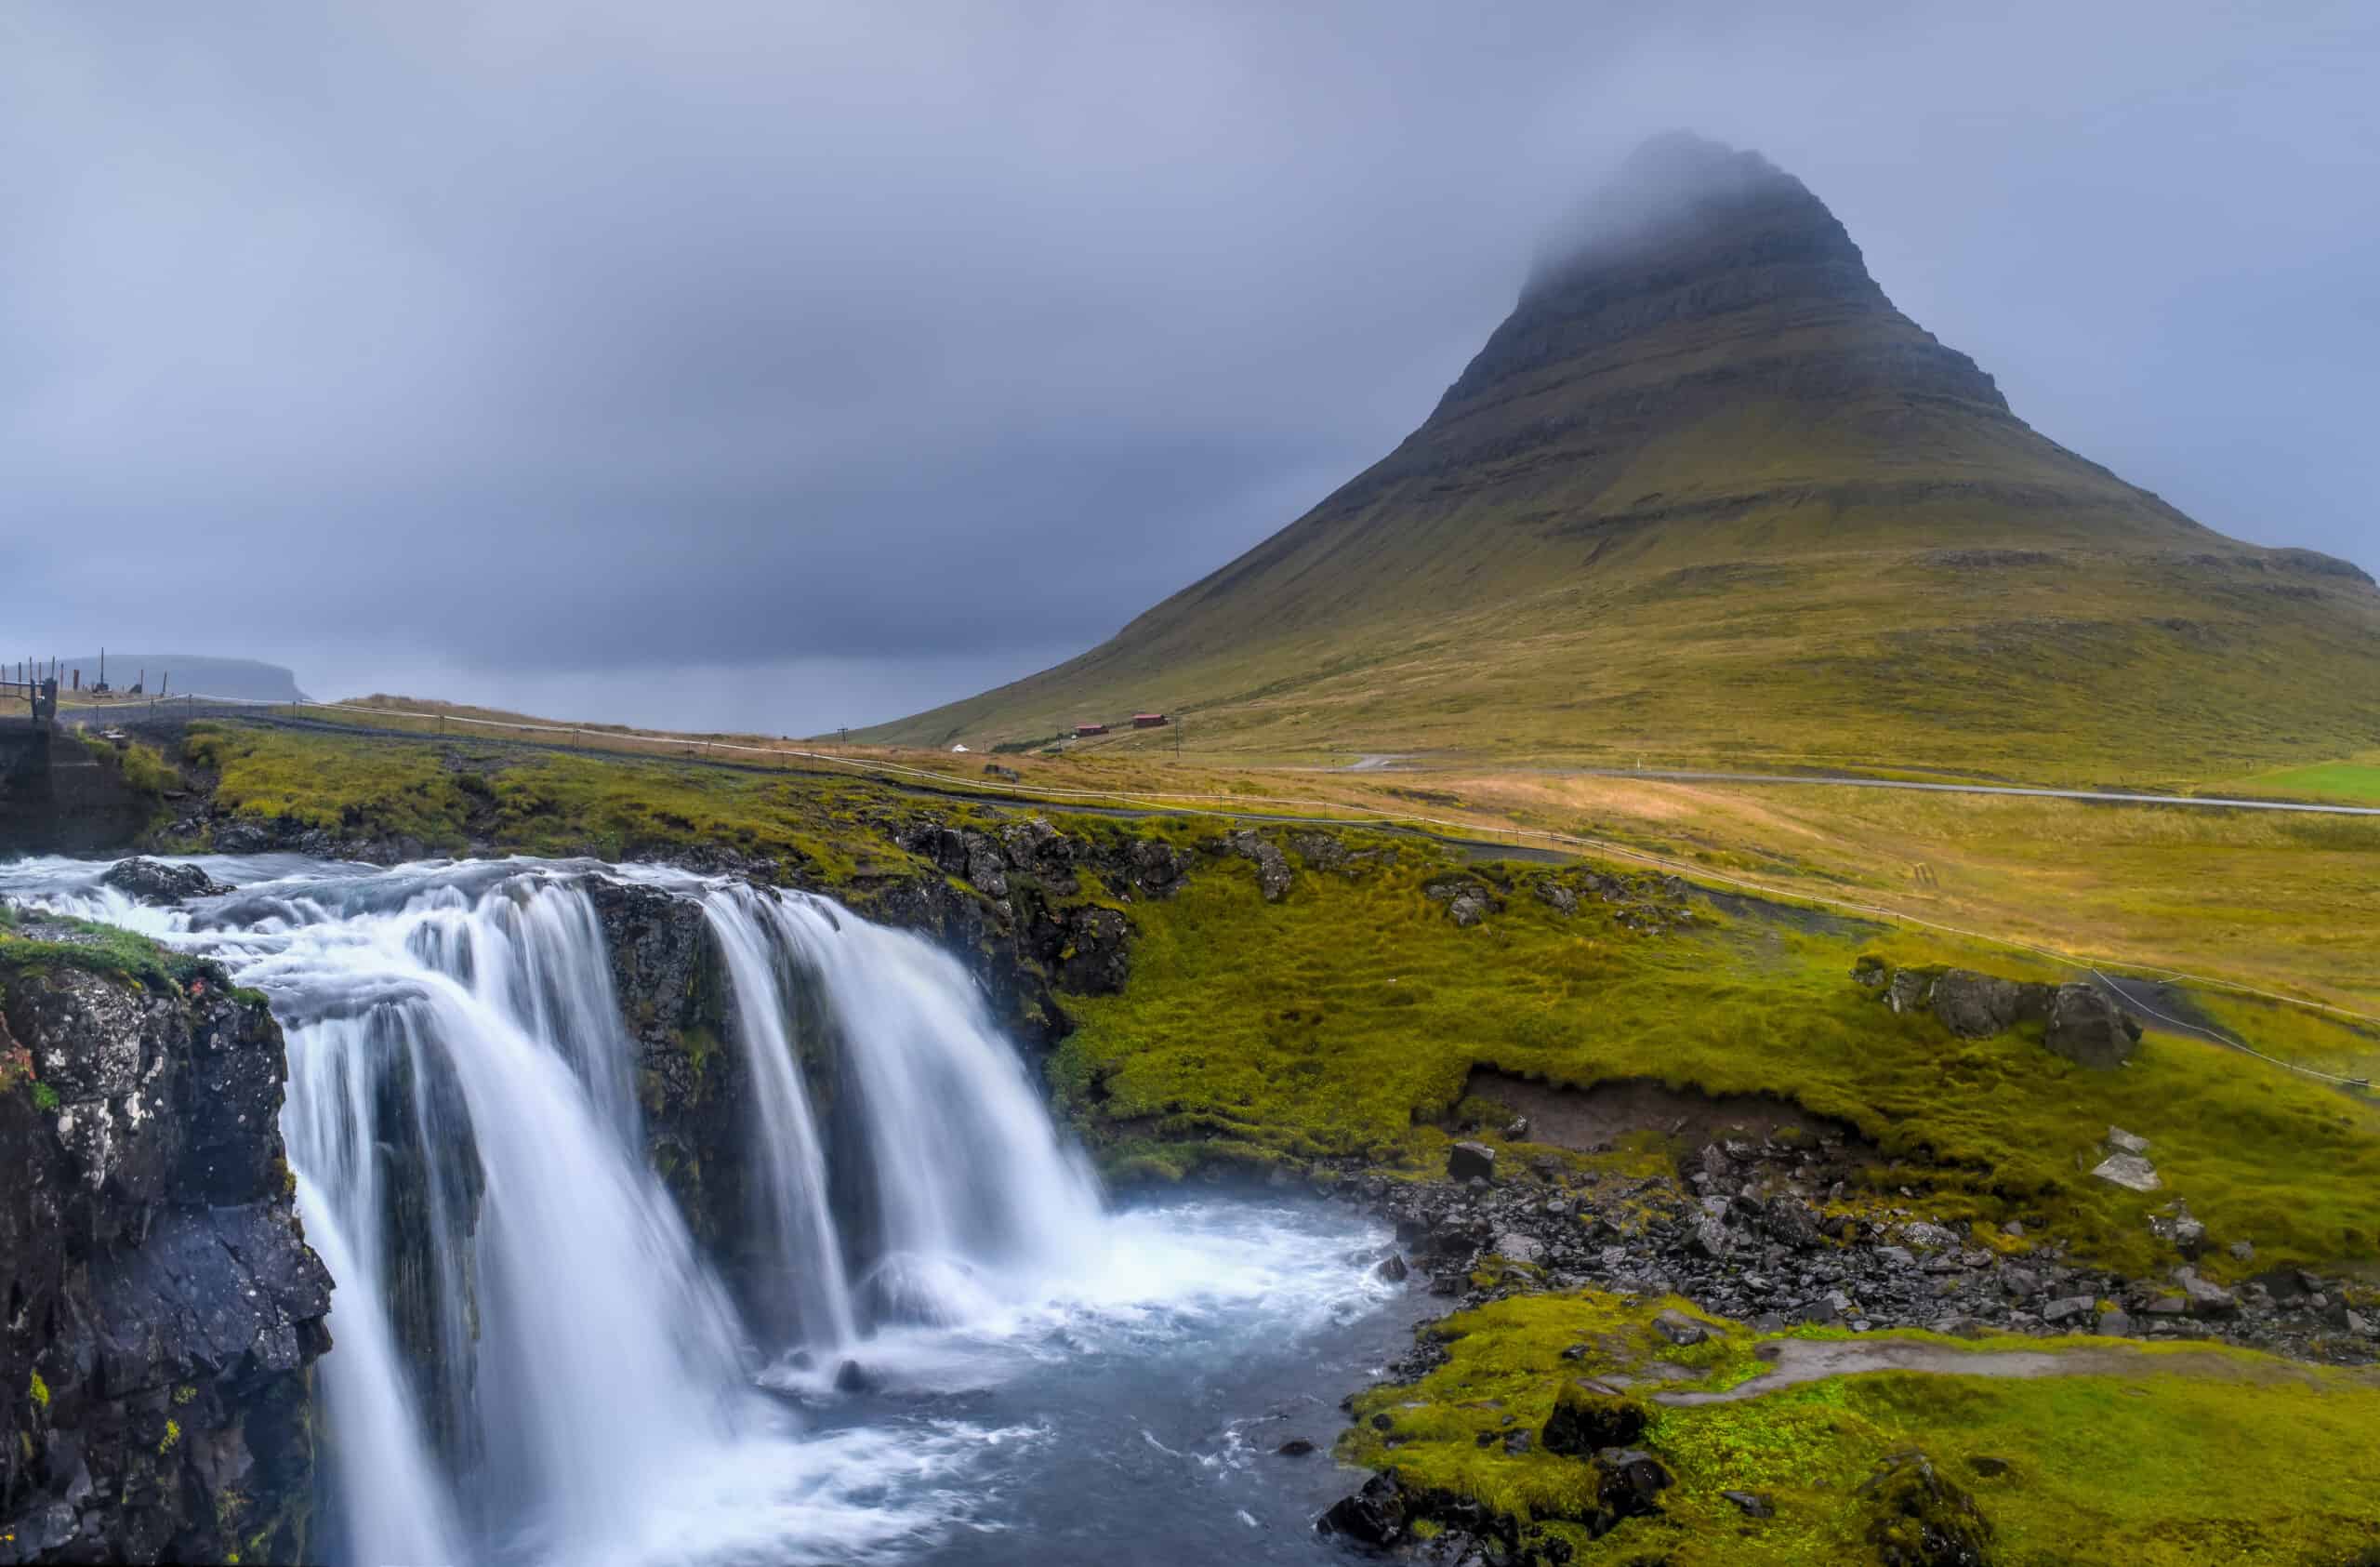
(2089, 1030)
(1979, 1006)
(1631, 1486)
(1373, 1516)
(1096, 959)
(162, 1307)
(1589, 1416)
(150, 881)
(1471, 1161)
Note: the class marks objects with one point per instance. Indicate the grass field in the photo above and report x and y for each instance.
(2353, 783)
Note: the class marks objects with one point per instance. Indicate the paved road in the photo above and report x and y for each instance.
(2103, 796)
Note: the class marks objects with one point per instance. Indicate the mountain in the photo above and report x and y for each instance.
(1707, 494)
(180, 672)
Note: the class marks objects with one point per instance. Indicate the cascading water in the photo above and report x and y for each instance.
(532, 1361)
(970, 1198)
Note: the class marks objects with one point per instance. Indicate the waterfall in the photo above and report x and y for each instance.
(532, 1361)
(958, 1193)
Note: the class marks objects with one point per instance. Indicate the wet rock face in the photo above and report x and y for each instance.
(665, 972)
(162, 1307)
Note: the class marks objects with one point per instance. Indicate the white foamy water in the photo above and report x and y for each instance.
(535, 1363)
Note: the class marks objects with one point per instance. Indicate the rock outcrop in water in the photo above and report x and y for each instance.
(163, 1308)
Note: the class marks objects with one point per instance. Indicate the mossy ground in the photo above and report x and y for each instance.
(1345, 1019)
(2193, 1455)
(66, 942)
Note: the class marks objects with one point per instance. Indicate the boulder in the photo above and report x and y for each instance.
(2066, 1307)
(1514, 1246)
(1751, 1504)
(1790, 1223)
(1979, 1006)
(1373, 1516)
(1906, 992)
(1467, 909)
(1631, 1484)
(1470, 1160)
(1680, 1329)
(2206, 1299)
(1711, 1238)
(1589, 1416)
(2088, 1029)
(2128, 1171)
(150, 881)
(2122, 1141)
(1273, 877)
(1392, 1268)
(1556, 896)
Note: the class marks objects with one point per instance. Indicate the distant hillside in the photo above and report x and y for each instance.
(1706, 494)
(180, 672)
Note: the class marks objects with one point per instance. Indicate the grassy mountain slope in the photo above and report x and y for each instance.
(1706, 494)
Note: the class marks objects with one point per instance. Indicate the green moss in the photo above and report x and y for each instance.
(101, 948)
(44, 1097)
(39, 1392)
(1346, 1019)
(172, 1439)
(2145, 1467)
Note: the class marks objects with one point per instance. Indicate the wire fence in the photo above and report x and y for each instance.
(1338, 812)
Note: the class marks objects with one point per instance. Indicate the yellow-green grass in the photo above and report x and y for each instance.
(1857, 662)
(445, 796)
(2268, 901)
(2185, 1454)
(2275, 900)
(1345, 1020)
(2354, 782)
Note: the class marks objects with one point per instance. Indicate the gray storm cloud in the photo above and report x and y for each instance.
(527, 348)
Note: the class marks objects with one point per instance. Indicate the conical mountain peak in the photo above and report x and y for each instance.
(1705, 491)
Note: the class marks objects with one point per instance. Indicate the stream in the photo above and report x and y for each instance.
(964, 1353)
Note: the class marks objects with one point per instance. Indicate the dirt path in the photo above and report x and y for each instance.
(1813, 1360)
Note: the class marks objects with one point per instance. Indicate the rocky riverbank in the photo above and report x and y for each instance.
(1760, 1228)
(162, 1305)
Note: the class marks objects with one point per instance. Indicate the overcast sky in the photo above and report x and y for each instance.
(787, 364)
